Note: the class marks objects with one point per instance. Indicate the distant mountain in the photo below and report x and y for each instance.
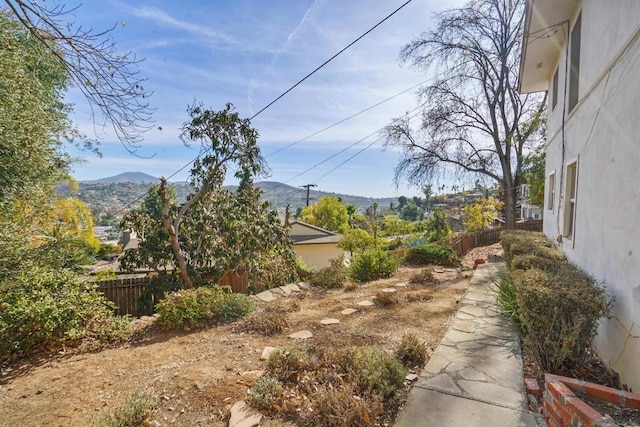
(108, 198)
(132, 177)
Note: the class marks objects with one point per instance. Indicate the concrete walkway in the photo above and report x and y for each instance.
(474, 377)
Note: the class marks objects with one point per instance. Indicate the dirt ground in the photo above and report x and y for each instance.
(198, 374)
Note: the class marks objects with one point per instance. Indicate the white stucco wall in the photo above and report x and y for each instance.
(318, 255)
(603, 134)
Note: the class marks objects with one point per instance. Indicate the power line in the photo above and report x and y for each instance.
(291, 88)
(330, 59)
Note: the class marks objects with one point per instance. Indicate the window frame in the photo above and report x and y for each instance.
(574, 62)
(554, 89)
(571, 197)
(551, 193)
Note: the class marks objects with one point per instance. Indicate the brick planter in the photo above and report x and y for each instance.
(563, 408)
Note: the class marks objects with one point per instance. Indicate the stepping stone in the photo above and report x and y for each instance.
(329, 321)
(389, 290)
(293, 287)
(401, 285)
(349, 311)
(366, 303)
(242, 415)
(266, 352)
(285, 290)
(277, 291)
(301, 335)
(266, 296)
(303, 285)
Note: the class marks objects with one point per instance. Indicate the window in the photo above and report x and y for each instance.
(551, 193)
(570, 205)
(554, 90)
(574, 64)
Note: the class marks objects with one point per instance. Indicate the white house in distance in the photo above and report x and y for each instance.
(586, 54)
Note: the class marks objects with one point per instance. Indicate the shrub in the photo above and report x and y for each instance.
(133, 413)
(373, 371)
(340, 407)
(506, 298)
(265, 393)
(191, 307)
(303, 270)
(288, 365)
(44, 308)
(373, 264)
(518, 242)
(268, 322)
(156, 290)
(385, 299)
(330, 277)
(411, 352)
(424, 277)
(559, 312)
(234, 306)
(105, 274)
(432, 254)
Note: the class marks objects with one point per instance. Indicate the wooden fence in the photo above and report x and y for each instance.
(126, 292)
(463, 244)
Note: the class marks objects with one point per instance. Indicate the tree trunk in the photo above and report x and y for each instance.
(173, 237)
(510, 207)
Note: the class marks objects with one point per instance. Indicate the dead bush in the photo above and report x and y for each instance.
(417, 296)
(331, 407)
(424, 277)
(289, 365)
(386, 299)
(350, 286)
(266, 322)
(411, 351)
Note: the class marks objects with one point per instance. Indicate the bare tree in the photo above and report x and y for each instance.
(108, 79)
(475, 119)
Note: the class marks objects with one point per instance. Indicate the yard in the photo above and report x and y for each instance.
(196, 375)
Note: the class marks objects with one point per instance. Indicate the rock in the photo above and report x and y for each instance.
(242, 415)
(277, 291)
(254, 375)
(293, 287)
(266, 296)
(365, 303)
(303, 285)
(411, 378)
(401, 285)
(389, 290)
(285, 290)
(349, 311)
(301, 335)
(266, 352)
(329, 321)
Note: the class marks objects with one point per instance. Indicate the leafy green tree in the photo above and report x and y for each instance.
(356, 240)
(394, 226)
(329, 213)
(437, 227)
(482, 213)
(215, 230)
(534, 165)
(411, 212)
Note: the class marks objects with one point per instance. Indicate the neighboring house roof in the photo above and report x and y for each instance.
(546, 29)
(306, 234)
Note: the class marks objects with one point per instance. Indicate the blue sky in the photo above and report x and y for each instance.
(248, 52)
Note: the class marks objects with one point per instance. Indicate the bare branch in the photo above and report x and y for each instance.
(107, 79)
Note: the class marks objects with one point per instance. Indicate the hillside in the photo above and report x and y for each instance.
(108, 198)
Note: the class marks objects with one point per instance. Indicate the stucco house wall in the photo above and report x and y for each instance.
(318, 255)
(601, 136)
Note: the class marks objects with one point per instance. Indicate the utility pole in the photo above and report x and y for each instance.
(308, 186)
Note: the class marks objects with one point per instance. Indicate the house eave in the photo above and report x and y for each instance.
(546, 28)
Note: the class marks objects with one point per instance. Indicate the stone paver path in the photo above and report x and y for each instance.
(347, 311)
(474, 378)
(329, 321)
(301, 335)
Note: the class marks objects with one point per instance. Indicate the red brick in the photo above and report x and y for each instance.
(558, 390)
(532, 386)
(572, 383)
(604, 393)
(632, 400)
(557, 406)
(551, 416)
(586, 413)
